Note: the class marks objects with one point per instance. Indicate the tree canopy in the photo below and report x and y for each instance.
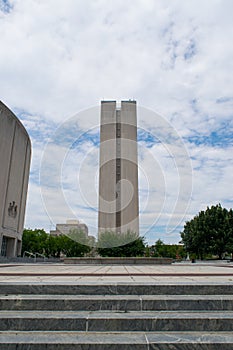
(38, 241)
(78, 244)
(209, 232)
(129, 244)
(174, 251)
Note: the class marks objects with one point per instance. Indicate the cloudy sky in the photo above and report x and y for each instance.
(59, 59)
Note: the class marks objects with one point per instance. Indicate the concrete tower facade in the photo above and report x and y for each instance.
(118, 171)
(15, 155)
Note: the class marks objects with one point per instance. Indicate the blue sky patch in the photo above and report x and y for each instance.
(191, 50)
(147, 137)
(220, 138)
(5, 6)
(224, 99)
(91, 137)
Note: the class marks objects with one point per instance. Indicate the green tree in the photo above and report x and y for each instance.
(229, 246)
(111, 244)
(34, 241)
(71, 248)
(209, 232)
(174, 251)
(52, 246)
(38, 241)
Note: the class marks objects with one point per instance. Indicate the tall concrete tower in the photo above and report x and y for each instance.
(118, 170)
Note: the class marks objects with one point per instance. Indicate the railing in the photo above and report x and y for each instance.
(43, 256)
(34, 255)
(30, 254)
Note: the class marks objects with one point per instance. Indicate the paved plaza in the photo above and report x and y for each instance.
(203, 272)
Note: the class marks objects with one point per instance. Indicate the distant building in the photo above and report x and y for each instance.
(64, 229)
(15, 156)
(118, 169)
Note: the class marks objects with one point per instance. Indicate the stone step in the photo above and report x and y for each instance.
(116, 302)
(116, 288)
(104, 321)
(115, 341)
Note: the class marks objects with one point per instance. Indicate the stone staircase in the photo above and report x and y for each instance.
(116, 316)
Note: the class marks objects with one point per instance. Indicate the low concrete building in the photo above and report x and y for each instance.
(64, 229)
(15, 156)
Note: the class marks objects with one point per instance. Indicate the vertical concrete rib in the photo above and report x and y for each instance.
(129, 166)
(118, 170)
(107, 167)
(8, 176)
